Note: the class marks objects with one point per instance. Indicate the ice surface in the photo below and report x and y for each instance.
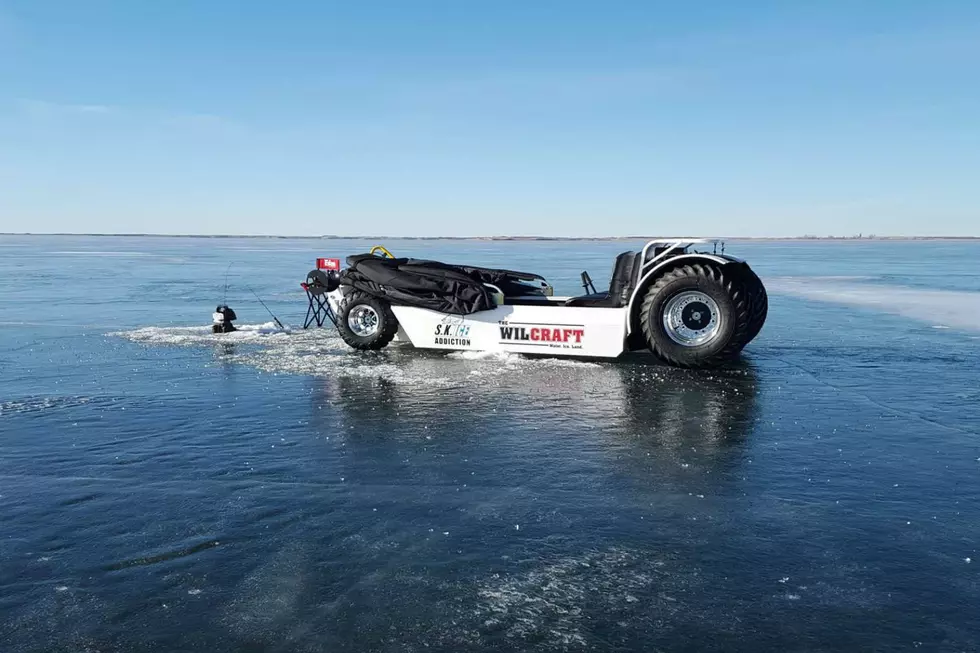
(568, 489)
(941, 308)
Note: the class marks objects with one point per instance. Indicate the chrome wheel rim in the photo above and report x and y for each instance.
(691, 318)
(363, 320)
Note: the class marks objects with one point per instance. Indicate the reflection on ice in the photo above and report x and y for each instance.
(647, 420)
(670, 407)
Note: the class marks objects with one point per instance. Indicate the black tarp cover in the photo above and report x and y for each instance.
(429, 284)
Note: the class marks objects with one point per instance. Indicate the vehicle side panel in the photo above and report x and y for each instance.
(549, 330)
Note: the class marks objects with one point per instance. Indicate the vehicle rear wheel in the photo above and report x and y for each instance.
(695, 316)
(366, 322)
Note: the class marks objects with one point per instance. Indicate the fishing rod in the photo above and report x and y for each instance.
(224, 297)
(274, 318)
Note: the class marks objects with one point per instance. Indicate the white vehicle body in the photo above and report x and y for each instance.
(596, 325)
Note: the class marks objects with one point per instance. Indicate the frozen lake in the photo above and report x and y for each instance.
(163, 488)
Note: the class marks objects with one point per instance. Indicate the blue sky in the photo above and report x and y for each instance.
(457, 118)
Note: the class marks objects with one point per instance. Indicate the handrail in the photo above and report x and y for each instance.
(671, 243)
(499, 292)
(382, 249)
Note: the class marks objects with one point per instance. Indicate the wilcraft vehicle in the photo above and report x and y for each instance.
(690, 308)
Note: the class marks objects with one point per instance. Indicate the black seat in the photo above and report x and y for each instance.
(624, 278)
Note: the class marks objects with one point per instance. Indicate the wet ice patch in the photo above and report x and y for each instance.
(941, 308)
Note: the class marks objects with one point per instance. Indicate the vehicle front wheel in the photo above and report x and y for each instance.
(695, 316)
(366, 322)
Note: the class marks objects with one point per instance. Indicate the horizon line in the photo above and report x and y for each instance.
(489, 238)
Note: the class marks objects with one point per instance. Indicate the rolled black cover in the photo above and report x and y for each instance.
(427, 284)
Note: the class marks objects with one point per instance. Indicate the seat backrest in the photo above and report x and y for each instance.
(624, 278)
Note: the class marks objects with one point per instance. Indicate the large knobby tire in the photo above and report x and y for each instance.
(758, 304)
(695, 316)
(366, 322)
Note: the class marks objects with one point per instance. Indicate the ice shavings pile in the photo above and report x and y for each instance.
(322, 353)
(202, 335)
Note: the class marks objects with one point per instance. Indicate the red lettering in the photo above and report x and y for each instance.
(547, 334)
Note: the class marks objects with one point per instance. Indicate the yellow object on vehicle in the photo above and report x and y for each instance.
(383, 249)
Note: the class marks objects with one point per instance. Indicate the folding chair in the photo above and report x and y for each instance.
(318, 285)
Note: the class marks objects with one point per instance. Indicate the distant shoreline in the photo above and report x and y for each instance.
(519, 238)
